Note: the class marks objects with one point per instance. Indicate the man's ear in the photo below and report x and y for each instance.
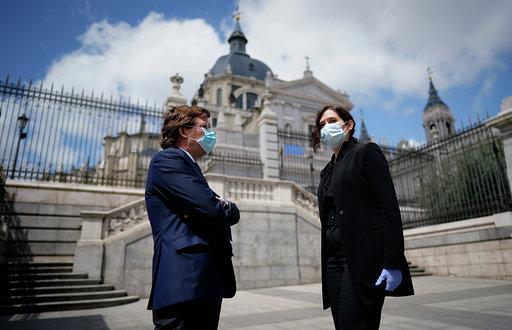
(182, 132)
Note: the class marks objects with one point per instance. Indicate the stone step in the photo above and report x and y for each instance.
(63, 282)
(415, 270)
(61, 297)
(60, 289)
(40, 276)
(43, 234)
(65, 305)
(421, 274)
(40, 259)
(40, 248)
(48, 221)
(47, 209)
(38, 264)
(35, 270)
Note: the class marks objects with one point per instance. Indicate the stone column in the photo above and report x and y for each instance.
(503, 121)
(268, 139)
(89, 248)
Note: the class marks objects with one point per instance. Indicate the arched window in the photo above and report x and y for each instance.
(251, 67)
(240, 101)
(251, 100)
(449, 127)
(219, 97)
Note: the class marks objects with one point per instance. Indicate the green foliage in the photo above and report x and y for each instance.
(463, 184)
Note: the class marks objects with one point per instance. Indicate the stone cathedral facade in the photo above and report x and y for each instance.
(245, 98)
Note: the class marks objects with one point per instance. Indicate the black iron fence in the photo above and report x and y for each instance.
(461, 177)
(48, 134)
(298, 162)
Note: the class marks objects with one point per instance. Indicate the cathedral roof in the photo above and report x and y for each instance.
(433, 98)
(238, 62)
(364, 136)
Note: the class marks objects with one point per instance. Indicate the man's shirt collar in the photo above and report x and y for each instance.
(188, 154)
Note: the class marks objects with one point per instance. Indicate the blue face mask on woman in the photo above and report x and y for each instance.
(333, 135)
(207, 142)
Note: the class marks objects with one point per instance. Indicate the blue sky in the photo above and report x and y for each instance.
(377, 51)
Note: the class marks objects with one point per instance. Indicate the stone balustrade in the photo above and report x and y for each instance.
(257, 190)
(98, 225)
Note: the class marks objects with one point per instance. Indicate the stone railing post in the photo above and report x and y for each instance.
(503, 121)
(268, 140)
(89, 248)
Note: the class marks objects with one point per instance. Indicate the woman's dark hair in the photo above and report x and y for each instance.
(344, 115)
(176, 118)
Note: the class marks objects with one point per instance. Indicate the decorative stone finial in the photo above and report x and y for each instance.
(307, 73)
(176, 81)
(175, 98)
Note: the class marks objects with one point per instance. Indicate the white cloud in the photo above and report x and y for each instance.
(362, 47)
(487, 84)
(137, 61)
(368, 46)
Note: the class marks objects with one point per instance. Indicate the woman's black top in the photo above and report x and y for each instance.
(333, 241)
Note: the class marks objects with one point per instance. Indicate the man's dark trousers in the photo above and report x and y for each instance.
(184, 316)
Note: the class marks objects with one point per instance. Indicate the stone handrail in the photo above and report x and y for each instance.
(109, 223)
(125, 217)
(98, 225)
(306, 200)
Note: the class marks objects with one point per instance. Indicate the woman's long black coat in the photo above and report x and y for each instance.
(369, 219)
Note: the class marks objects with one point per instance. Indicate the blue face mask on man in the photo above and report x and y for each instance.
(207, 142)
(333, 135)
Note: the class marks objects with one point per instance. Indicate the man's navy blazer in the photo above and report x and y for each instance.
(191, 232)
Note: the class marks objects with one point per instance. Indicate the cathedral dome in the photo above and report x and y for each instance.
(238, 62)
(240, 65)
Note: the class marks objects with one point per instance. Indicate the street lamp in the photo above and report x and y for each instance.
(22, 123)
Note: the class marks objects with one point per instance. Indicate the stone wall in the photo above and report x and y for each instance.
(46, 221)
(471, 248)
(36, 198)
(273, 246)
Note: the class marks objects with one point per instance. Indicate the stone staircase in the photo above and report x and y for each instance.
(418, 271)
(37, 274)
(34, 287)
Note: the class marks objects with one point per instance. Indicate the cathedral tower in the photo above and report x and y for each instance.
(438, 121)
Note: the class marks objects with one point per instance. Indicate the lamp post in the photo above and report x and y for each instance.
(22, 123)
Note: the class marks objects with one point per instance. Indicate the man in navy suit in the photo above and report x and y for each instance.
(192, 268)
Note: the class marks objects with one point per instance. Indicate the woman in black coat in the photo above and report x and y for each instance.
(362, 240)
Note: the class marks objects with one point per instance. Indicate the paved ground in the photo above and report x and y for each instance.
(439, 303)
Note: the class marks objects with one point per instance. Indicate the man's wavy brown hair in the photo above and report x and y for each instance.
(344, 115)
(176, 118)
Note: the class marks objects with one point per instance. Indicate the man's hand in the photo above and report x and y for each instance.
(392, 277)
(223, 201)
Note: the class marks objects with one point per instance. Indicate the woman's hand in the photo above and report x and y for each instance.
(392, 277)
